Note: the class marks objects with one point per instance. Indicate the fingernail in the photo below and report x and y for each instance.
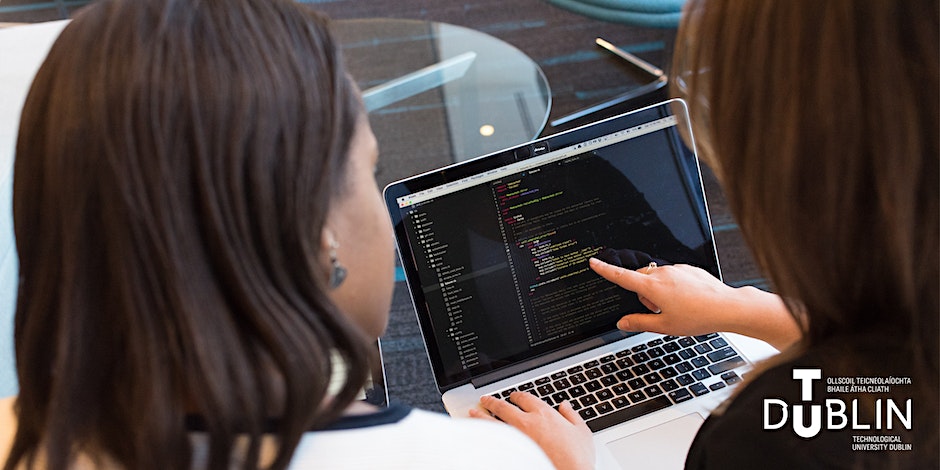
(623, 325)
(594, 261)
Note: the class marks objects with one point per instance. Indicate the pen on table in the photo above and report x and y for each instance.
(646, 66)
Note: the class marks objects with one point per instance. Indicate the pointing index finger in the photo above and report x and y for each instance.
(626, 278)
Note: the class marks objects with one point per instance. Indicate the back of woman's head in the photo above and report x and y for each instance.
(821, 119)
(175, 164)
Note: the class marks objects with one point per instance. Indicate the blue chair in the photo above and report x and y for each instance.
(646, 13)
(23, 49)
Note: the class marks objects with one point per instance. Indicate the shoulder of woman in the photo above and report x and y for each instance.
(477, 440)
(418, 439)
(492, 430)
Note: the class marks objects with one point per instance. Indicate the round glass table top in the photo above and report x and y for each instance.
(438, 93)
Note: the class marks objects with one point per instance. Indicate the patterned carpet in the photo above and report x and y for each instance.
(579, 75)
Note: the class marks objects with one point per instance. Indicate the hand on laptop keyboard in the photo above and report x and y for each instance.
(637, 380)
(562, 434)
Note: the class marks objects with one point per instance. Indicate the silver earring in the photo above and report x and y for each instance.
(337, 271)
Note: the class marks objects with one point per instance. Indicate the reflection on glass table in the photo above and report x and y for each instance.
(439, 93)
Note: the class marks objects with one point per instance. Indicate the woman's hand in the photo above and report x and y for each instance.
(689, 299)
(693, 302)
(562, 434)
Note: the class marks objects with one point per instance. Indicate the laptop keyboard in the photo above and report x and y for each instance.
(617, 387)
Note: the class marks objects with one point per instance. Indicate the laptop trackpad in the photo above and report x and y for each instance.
(664, 446)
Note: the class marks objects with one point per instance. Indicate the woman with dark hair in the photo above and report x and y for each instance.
(202, 248)
(821, 121)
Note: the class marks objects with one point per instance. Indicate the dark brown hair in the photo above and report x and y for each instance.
(175, 163)
(821, 120)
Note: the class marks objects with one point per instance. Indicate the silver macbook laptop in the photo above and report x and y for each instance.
(495, 253)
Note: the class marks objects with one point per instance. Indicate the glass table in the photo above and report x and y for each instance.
(438, 93)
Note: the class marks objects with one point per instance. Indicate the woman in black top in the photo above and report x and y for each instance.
(821, 121)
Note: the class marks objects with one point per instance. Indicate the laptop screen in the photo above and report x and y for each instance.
(496, 250)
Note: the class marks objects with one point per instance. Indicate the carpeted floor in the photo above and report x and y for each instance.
(579, 74)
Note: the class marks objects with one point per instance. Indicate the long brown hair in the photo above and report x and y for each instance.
(175, 163)
(821, 120)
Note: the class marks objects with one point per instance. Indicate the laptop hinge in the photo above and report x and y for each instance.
(509, 371)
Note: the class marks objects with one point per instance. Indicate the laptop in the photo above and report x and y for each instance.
(495, 254)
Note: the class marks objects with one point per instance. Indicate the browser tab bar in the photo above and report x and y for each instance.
(542, 154)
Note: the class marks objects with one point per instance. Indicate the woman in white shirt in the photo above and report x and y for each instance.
(201, 238)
